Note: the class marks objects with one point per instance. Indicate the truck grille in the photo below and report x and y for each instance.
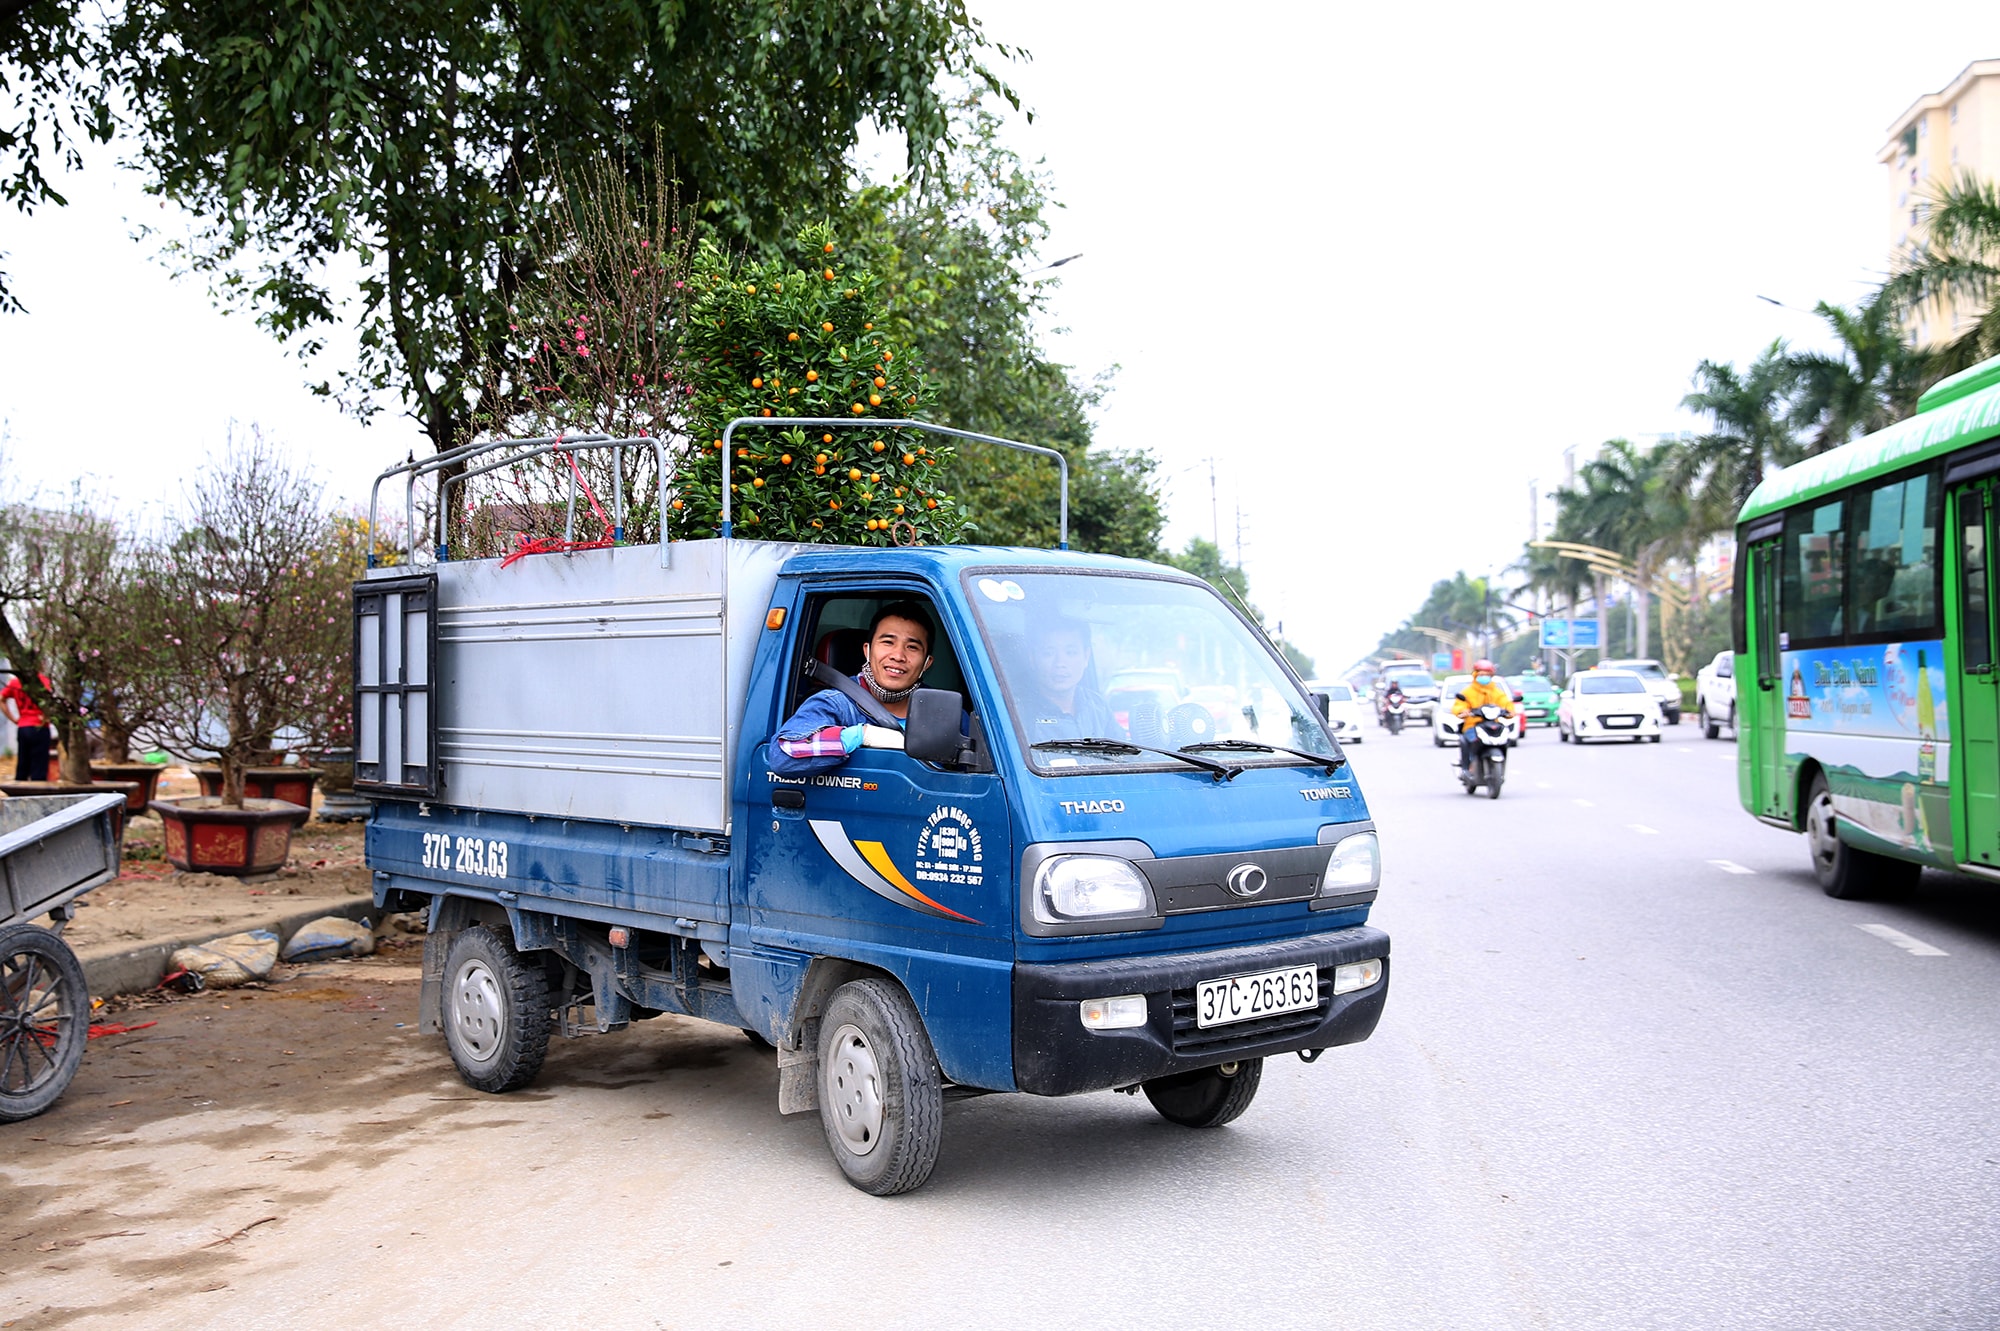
(1238, 1035)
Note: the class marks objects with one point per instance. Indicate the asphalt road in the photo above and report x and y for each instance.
(1636, 1071)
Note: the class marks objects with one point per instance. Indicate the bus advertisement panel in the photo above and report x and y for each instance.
(1875, 719)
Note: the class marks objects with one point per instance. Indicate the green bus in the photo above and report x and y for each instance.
(1867, 703)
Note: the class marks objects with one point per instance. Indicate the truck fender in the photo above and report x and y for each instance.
(449, 916)
(798, 1051)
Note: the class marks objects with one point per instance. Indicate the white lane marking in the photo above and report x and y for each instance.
(1730, 866)
(1727, 757)
(1543, 785)
(1643, 830)
(1914, 946)
(1584, 804)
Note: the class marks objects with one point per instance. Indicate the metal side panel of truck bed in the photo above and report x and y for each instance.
(594, 685)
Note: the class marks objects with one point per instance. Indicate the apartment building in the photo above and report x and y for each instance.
(1940, 136)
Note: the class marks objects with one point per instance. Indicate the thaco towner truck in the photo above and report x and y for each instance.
(1152, 889)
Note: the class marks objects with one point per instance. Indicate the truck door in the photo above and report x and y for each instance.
(1975, 753)
(1764, 707)
(886, 860)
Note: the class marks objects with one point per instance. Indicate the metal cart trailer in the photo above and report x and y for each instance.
(53, 849)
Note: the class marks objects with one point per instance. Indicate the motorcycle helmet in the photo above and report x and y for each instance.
(1484, 667)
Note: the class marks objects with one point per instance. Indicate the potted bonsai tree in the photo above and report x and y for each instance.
(247, 611)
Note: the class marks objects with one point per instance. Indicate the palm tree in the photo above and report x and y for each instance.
(1751, 431)
(1958, 263)
(1634, 502)
(1873, 381)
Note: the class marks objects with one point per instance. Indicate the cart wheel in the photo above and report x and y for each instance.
(496, 1012)
(1207, 1098)
(44, 1020)
(881, 1097)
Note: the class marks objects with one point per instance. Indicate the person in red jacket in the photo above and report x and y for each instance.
(31, 734)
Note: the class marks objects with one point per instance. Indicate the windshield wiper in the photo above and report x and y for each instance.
(1336, 761)
(1220, 771)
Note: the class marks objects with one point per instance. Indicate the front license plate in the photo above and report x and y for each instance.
(1243, 997)
(1620, 722)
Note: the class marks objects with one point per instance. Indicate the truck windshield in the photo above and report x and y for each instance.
(1141, 660)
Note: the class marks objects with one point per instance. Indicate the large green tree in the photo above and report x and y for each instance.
(1750, 431)
(1958, 264)
(415, 143)
(51, 100)
(1872, 380)
(958, 251)
(1632, 501)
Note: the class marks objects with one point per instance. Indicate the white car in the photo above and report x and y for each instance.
(1715, 694)
(1344, 715)
(1607, 704)
(1663, 688)
(1444, 724)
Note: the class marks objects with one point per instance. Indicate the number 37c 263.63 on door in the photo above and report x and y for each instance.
(465, 854)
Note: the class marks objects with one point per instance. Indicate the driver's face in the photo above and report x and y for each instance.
(1060, 660)
(898, 653)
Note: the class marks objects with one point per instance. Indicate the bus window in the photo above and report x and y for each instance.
(1814, 572)
(1766, 560)
(1892, 580)
(1974, 633)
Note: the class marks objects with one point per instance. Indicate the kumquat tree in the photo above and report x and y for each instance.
(764, 338)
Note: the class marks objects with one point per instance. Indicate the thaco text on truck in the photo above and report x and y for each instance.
(567, 754)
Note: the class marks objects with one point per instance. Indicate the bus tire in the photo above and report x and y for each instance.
(1207, 1097)
(496, 1012)
(1845, 872)
(881, 1094)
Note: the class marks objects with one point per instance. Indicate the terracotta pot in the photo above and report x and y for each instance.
(203, 835)
(128, 788)
(291, 784)
(145, 776)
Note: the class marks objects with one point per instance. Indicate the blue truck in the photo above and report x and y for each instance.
(567, 754)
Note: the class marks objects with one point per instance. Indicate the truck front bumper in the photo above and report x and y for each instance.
(1055, 1054)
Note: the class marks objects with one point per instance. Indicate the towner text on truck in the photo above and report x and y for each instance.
(568, 754)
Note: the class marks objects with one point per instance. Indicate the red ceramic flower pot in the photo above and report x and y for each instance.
(144, 776)
(203, 835)
(294, 785)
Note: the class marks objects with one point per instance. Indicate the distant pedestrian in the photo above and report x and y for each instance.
(31, 737)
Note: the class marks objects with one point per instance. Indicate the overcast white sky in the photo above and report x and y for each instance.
(1382, 263)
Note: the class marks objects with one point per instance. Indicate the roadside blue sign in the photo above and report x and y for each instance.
(1573, 634)
(1440, 661)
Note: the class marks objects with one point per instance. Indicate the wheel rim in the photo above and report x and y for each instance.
(1820, 834)
(854, 1084)
(35, 1023)
(478, 1012)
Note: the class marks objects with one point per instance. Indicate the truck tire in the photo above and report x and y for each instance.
(496, 1012)
(44, 1020)
(881, 1095)
(1710, 727)
(1844, 872)
(1208, 1097)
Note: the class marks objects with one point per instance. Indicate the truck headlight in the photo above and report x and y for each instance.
(1089, 887)
(1356, 975)
(1113, 1014)
(1356, 863)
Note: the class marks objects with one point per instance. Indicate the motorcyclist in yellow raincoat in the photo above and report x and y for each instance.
(1486, 689)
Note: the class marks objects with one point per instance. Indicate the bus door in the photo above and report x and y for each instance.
(1975, 726)
(1765, 707)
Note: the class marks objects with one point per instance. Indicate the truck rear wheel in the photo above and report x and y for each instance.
(1208, 1097)
(881, 1096)
(496, 1012)
(1710, 727)
(44, 1020)
(1843, 871)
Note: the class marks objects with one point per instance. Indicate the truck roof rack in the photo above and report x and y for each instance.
(457, 461)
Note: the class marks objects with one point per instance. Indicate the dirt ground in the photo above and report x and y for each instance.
(151, 900)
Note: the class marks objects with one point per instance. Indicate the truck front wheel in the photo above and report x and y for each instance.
(881, 1096)
(1208, 1097)
(496, 1012)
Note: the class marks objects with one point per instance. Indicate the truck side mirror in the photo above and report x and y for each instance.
(932, 733)
(1324, 701)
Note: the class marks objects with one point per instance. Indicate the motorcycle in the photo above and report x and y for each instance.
(1493, 729)
(1392, 715)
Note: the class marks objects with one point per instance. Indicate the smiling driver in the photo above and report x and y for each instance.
(827, 727)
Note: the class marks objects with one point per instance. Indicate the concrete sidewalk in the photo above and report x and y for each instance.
(131, 968)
